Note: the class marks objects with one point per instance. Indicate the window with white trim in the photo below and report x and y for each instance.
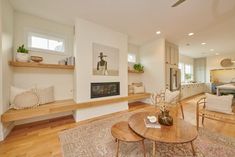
(131, 58)
(46, 43)
(186, 72)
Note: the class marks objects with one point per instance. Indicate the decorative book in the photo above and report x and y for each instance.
(149, 124)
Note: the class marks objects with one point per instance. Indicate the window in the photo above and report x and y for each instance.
(42, 42)
(131, 58)
(186, 72)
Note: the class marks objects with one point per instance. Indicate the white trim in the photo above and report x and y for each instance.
(50, 35)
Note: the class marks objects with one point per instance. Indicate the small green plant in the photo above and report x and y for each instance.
(139, 67)
(188, 76)
(22, 49)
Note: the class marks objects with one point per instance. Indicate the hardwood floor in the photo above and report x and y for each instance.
(40, 139)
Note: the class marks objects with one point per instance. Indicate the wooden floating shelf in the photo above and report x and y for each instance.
(64, 106)
(136, 72)
(39, 65)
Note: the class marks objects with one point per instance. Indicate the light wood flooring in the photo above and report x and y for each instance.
(40, 139)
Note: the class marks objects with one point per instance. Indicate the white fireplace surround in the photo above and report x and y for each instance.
(87, 33)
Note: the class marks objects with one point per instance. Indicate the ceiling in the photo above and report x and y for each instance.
(212, 21)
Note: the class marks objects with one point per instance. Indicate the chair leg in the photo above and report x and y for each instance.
(203, 119)
(193, 148)
(143, 148)
(197, 118)
(182, 110)
(117, 147)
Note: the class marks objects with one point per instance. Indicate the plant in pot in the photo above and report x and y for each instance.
(22, 54)
(138, 67)
(188, 77)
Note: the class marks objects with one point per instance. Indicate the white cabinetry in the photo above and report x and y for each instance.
(172, 54)
(171, 60)
(191, 89)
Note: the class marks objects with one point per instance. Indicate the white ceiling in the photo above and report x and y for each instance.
(212, 21)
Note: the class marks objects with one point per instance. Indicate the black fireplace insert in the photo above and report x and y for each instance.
(105, 89)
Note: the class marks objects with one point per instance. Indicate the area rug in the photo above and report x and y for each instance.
(95, 140)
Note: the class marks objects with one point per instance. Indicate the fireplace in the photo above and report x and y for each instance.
(105, 89)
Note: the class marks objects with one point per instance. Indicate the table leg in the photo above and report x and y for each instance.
(193, 148)
(117, 147)
(144, 152)
(154, 148)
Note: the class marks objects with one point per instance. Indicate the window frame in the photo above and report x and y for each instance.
(128, 57)
(51, 36)
(183, 72)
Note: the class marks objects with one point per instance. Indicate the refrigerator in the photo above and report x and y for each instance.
(175, 79)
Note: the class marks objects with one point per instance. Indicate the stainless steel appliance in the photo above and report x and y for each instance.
(175, 80)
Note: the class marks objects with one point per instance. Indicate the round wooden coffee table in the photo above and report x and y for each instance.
(180, 132)
(122, 132)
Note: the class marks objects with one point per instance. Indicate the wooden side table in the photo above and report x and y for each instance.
(122, 132)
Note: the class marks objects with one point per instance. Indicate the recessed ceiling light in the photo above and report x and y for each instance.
(190, 34)
(216, 54)
(203, 43)
(158, 32)
(212, 50)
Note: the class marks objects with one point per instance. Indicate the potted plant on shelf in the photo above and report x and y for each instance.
(139, 67)
(22, 54)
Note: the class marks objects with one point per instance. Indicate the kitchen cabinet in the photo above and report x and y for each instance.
(171, 54)
(171, 60)
(192, 89)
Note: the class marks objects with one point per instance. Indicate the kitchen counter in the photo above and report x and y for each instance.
(191, 89)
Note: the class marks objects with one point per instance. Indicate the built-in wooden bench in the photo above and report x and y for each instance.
(63, 106)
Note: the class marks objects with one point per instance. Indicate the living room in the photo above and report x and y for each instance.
(117, 78)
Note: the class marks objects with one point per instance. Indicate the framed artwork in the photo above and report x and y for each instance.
(105, 60)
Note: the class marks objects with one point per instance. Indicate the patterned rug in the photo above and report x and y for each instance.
(95, 140)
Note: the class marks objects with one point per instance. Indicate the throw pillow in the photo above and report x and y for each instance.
(138, 84)
(139, 89)
(26, 99)
(14, 91)
(45, 95)
(219, 103)
(171, 97)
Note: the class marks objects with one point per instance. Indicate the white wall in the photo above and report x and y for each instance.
(152, 56)
(25, 22)
(185, 59)
(86, 34)
(213, 62)
(62, 80)
(1, 87)
(6, 55)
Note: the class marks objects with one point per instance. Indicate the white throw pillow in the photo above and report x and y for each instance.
(138, 90)
(171, 97)
(45, 95)
(26, 99)
(219, 103)
(14, 91)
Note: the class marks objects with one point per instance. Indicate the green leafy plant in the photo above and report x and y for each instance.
(188, 76)
(22, 49)
(139, 67)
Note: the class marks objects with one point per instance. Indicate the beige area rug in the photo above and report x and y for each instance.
(95, 140)
(195, 100)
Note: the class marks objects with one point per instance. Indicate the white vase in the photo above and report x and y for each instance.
(22, 57)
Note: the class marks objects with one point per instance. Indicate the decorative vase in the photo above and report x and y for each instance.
(165, 119)
(22, 57)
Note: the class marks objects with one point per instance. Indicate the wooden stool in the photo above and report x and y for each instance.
(122, 132)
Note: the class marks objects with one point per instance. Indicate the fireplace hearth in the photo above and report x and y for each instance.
(105, 89)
